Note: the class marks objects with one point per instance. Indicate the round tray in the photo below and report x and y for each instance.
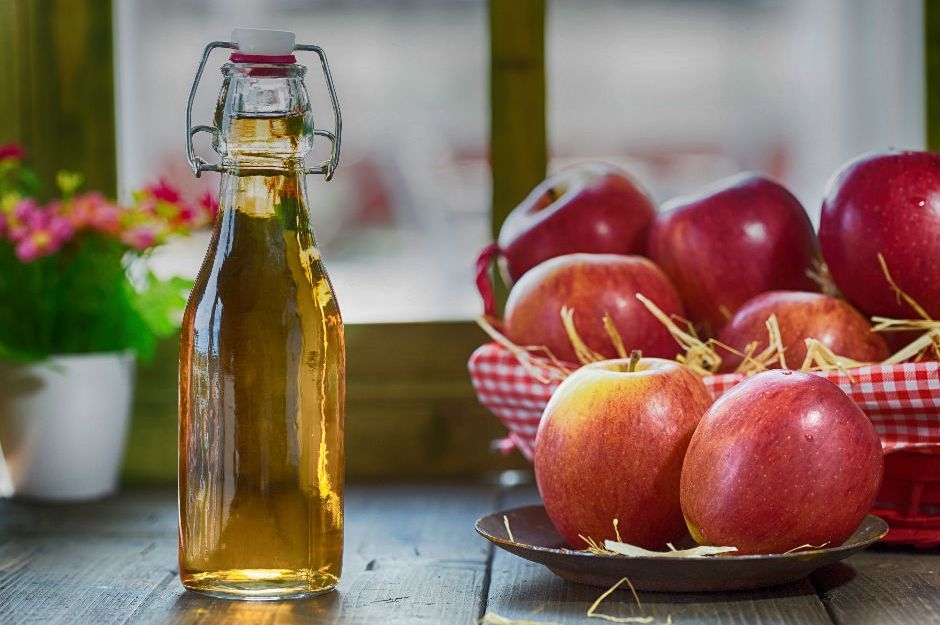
(536, 539)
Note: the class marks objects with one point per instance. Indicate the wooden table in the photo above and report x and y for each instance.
(412, 556)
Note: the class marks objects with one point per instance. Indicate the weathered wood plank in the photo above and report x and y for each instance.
(138, 513)
(884, 585)
(412, 556)
(60, 578)
(523, 590)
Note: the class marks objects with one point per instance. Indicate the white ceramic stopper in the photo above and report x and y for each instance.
(263, 42)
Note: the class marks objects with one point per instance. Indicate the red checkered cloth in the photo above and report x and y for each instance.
(903, 401)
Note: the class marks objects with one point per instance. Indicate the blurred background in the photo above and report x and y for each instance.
(680, 93)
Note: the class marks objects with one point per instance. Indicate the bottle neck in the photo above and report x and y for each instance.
(263, 118)
(271, 194)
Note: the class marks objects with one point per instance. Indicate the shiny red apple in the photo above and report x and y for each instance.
(610, 446)
(592, 285)
(887, 202)
(783, 460)
(589, 207)
(745, 235)
(801, 315)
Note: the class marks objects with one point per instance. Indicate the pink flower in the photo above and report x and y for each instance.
(210, 204)
(25, 214)
(164, 192)
(61, 229)
(41, 230)
(92, 210)
(187, 216)
(12, 151)
(33, 246)
(140, 237)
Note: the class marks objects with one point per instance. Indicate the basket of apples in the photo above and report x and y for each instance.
(735, 286)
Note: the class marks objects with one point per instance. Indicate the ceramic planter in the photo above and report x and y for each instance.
(63, 425)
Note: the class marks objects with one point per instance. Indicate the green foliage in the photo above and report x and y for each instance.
(72, 272)
(82, 300)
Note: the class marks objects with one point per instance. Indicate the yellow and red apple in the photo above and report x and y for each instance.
(610, 446)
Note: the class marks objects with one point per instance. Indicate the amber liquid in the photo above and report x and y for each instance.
(262, 388)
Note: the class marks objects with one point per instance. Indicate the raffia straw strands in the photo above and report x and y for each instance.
(632, 551)
(806, 546)
(595, 547)
(776, 341)
(593, 613)
(492, 618)
(769, 357)
(614, 335)
(819, 273)
(918, 348)
(584, 353)
(524, 355)
(703, 357)
(820, 358)
(699, 355)
(508, 530)
(899, 291)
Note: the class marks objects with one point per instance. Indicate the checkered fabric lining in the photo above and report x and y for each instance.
(903, 401)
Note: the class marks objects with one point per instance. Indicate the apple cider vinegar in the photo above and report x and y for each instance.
(262, 365)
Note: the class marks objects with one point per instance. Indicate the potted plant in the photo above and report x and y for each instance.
(78, 307)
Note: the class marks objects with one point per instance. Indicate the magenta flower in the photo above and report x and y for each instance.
(21, 221)
(35, 230)
(12, 151)
(210, 204)
(164, 191)
(140, 237)
(92, 210)
(40, 231)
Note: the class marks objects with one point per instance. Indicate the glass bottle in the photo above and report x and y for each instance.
(262, 359)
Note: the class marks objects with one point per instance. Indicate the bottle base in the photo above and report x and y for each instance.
(260, 584)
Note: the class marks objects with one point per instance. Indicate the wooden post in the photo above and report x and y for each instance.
(932, 73)
(57, 81)
(518, 143)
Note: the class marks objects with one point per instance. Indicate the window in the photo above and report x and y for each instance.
(680, 93)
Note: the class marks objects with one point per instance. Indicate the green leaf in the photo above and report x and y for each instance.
(160, 303)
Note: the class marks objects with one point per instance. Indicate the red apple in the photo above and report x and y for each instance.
(782, 460)
(610, 446)
(589, 207)
(886, 202)
(801, 315)
(592, 285)
(745, 235)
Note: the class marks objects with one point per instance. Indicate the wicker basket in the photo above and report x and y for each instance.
(910, 497)
(903, 402)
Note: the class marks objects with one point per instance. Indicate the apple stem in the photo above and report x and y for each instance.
(484, 280)
(635, 356)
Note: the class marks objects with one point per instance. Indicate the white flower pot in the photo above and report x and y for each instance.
(63, 425)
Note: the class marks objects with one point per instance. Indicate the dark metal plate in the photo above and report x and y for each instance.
(536, 539)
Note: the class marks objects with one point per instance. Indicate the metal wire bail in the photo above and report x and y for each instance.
(327, 168)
